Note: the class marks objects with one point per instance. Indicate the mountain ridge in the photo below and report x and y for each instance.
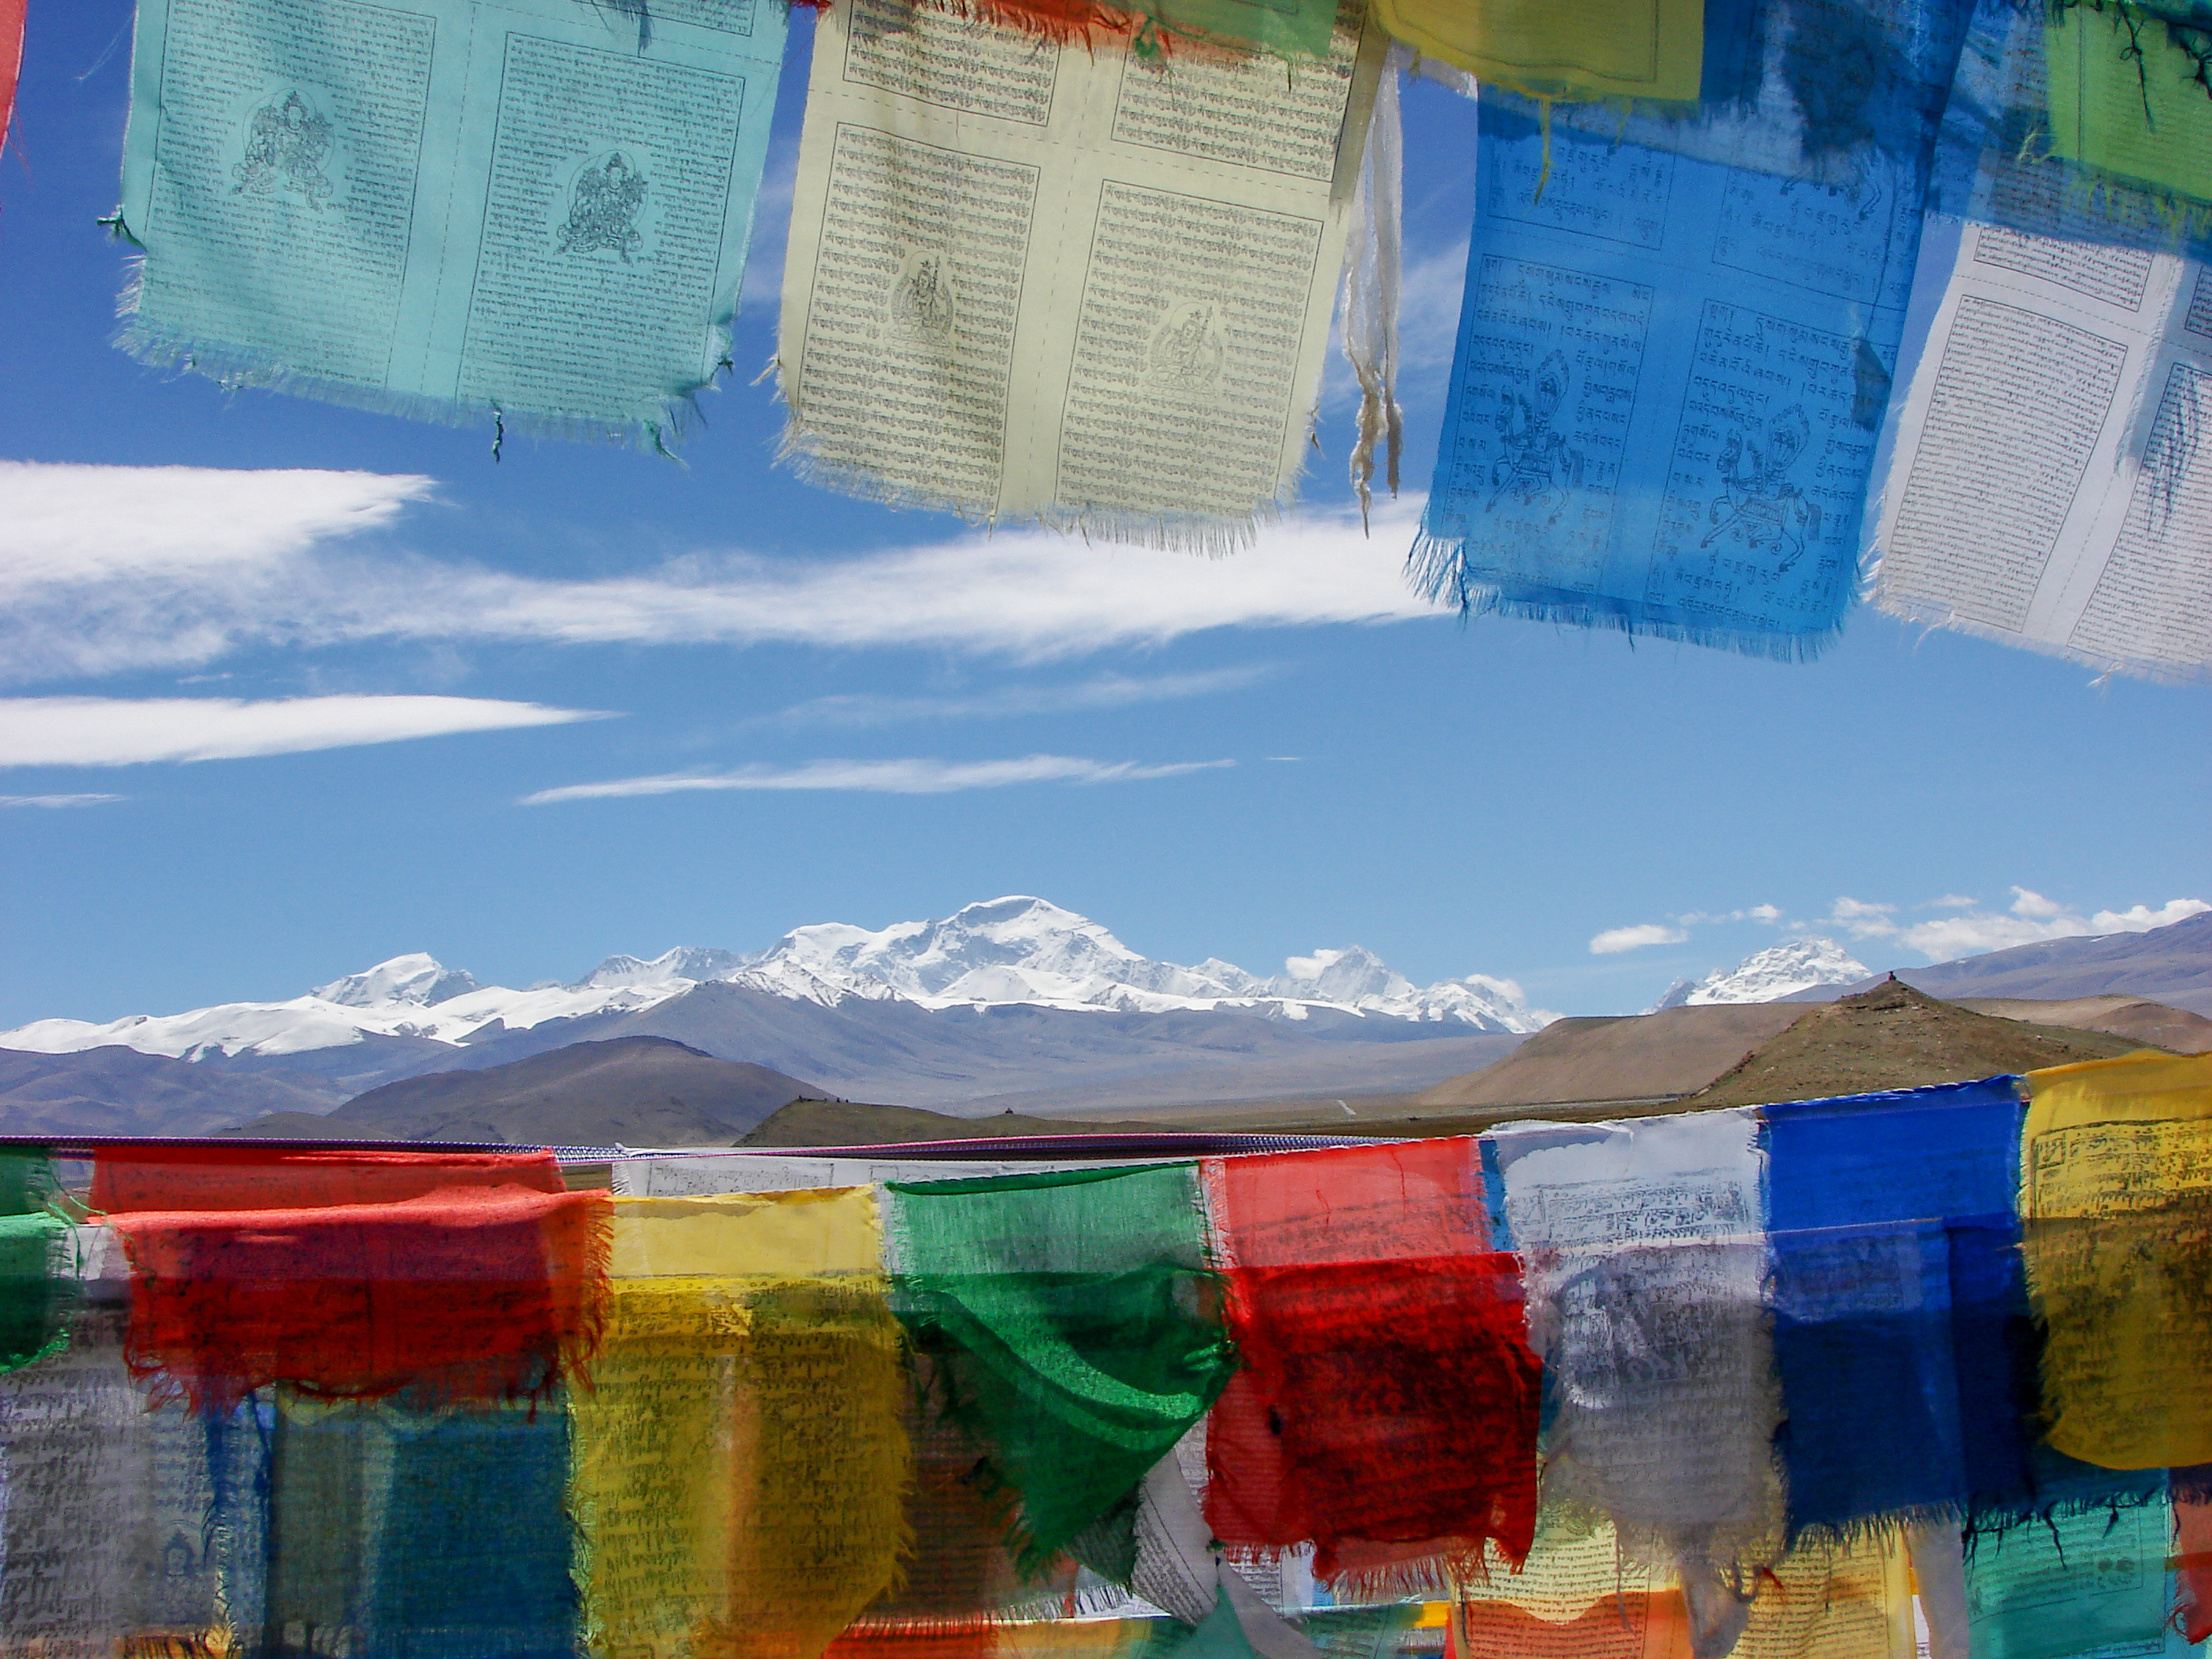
(1018, 951)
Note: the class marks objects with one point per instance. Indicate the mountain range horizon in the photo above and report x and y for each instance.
(1016, 951)
(1010, 1005)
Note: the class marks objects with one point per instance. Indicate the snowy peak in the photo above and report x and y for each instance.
(691, 964)
(1349, 975)
(1017, 950)
(419, 981)
(1767, 975)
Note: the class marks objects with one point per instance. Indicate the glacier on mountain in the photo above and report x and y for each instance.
(1779, 970)
(1010, 951)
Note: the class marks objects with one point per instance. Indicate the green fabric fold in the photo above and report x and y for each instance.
(1070, 1321)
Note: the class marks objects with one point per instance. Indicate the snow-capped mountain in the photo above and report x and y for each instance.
(1769, 974)
(1007, 950)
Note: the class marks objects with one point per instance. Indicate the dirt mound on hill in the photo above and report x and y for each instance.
(1896, 1037)
(1632, 1057)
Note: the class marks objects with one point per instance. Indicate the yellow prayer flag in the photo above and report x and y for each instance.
(740, 1456)
(1597, 49)
(1833, 1599)
(2116, 1202)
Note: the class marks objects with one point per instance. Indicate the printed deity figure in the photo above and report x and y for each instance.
(287, 140)
(1757, 502)
(1539, 466)
(921, 298)
(1187, 349)
(604, 208)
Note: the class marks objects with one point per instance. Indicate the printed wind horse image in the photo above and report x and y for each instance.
(286, 144)
(1539, 466)
(1759, 506)
(604, 208)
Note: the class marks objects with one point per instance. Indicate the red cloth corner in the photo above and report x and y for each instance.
(249, 1177)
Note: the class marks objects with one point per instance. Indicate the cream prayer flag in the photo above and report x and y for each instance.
(1066, 283)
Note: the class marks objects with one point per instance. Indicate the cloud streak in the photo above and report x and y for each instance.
(891, 777)
(119, 732)
(1614, 940)
(133, 570)
(1105, 693)
(53, 802)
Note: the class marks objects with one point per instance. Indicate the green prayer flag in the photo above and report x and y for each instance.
(38, 1281)
(1070, 1321)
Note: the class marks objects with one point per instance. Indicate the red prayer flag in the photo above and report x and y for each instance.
(460, 1294)
(2192, 1557)
(1389, 1397)
(11, 59)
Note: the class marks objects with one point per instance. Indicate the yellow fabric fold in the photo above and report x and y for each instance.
(740, 1458)
(2116, 1202)
(796, 1234)
(1833, 1599)
(1649, 49)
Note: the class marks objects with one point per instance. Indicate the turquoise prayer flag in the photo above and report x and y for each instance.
(531, 214)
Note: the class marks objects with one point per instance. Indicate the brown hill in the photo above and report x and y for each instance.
(1635, 1057)
(634, 1092)
(2152, 1023)
(1896, 1037)
(849, 1123)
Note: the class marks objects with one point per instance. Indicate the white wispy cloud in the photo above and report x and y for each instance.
(1614, 940)
(74, 524)
(1102, 692)
(126, 731)
(1862, 919)
(1765, 913)
(53, 802)
(109, 584)
(892, 777)
(2031, 918)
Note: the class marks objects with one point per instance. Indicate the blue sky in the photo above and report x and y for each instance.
(1244, 759)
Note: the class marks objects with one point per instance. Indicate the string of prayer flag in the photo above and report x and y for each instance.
(530, 214)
